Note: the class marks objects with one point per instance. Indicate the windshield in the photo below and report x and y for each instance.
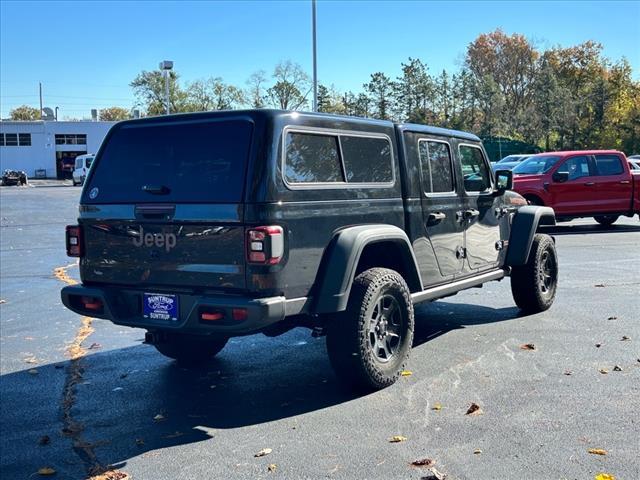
(181, 162)
(536, 165)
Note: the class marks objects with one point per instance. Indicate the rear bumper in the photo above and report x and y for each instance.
(124, 307)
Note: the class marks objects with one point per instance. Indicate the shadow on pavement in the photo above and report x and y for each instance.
(134, 402)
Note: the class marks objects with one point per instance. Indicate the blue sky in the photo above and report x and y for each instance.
(86, 53)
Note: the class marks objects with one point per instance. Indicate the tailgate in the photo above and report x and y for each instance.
(172, 254)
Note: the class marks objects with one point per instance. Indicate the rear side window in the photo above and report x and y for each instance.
(312, 158)
(366, 159)
(188, 162)
(474, 169)
(608, 165)
(435, 158)
(337, 158)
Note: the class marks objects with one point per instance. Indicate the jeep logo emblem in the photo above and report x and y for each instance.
(159, 240)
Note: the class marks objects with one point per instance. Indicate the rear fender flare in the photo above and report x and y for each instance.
(342, 256)
(523, 228)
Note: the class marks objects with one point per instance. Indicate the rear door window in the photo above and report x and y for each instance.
(608, 165)
(474, 169)
(435, 159)
(202, 161)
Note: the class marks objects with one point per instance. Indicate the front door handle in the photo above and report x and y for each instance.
(625, 182)
(436, 217)
(471, 213)
(588, 184)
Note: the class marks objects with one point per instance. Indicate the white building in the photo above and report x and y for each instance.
(48, 148)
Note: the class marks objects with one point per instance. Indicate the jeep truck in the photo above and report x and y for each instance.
(239, 222)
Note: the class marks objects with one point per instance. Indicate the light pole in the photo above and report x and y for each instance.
(57, 113)
(166, 66)
(315, 63)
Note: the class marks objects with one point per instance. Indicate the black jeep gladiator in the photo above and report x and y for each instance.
(233, 223)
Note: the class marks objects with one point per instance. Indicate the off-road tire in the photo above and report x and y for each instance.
(606, 220)
(534, 284)
(190, 350)
(349, 341)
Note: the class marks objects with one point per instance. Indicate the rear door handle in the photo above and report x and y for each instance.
(589, 184)
(625, 182)
(436, 217)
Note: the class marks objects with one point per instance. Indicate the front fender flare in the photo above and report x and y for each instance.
(523, 228)
(341, 258)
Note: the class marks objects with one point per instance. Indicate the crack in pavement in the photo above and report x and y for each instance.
(73, 428)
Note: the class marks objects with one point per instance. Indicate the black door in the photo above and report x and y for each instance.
(440, 204)
(482, 228)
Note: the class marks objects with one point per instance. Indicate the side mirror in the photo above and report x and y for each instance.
(504, 181)
(560, 177)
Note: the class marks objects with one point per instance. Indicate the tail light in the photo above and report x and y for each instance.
(75, 247)
(265, 245)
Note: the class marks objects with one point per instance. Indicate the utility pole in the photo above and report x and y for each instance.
(315, 60)
(166, 66)
(40, 85)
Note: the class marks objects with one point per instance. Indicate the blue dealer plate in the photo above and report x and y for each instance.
(160, 306)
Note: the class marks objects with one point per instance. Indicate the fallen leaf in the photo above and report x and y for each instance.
(568, 372)
(31, 360)
(437, 406)
(45, 471)
(527, 346)
(624, 337)
(159, 417)
(474, 409)
(435, 475)
(124, 375)
(604, 371)
(599, 285)
(95, 346)
(477, 451)
(406, 373)
(139, 442)
(397, 439)
(597, 451)
(612, 318)
(604, 476)
(263, 452)
(272, 467)
(617, 368)
(33, 371)
(44, 440)
(598, 345)
(425, 462)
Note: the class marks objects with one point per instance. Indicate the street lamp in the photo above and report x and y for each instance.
(166, 66)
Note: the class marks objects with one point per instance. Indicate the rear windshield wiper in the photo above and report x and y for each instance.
(156, 189)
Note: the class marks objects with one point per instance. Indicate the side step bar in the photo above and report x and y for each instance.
(452, 288)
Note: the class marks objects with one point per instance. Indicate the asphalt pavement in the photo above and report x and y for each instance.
(79, 395)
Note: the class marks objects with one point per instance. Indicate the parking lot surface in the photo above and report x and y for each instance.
(81, 395)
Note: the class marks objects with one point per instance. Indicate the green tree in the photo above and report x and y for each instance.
(291, 88)
(255, 89)
(149, 90)
(213, 94)
(380, 93)
(24, 112)
(413, 92)
(114, 114)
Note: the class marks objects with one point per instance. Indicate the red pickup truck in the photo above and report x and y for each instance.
(591, 183)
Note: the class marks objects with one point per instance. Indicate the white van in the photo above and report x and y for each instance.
(83, 162)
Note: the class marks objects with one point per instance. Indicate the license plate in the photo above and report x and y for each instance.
(160, 306)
